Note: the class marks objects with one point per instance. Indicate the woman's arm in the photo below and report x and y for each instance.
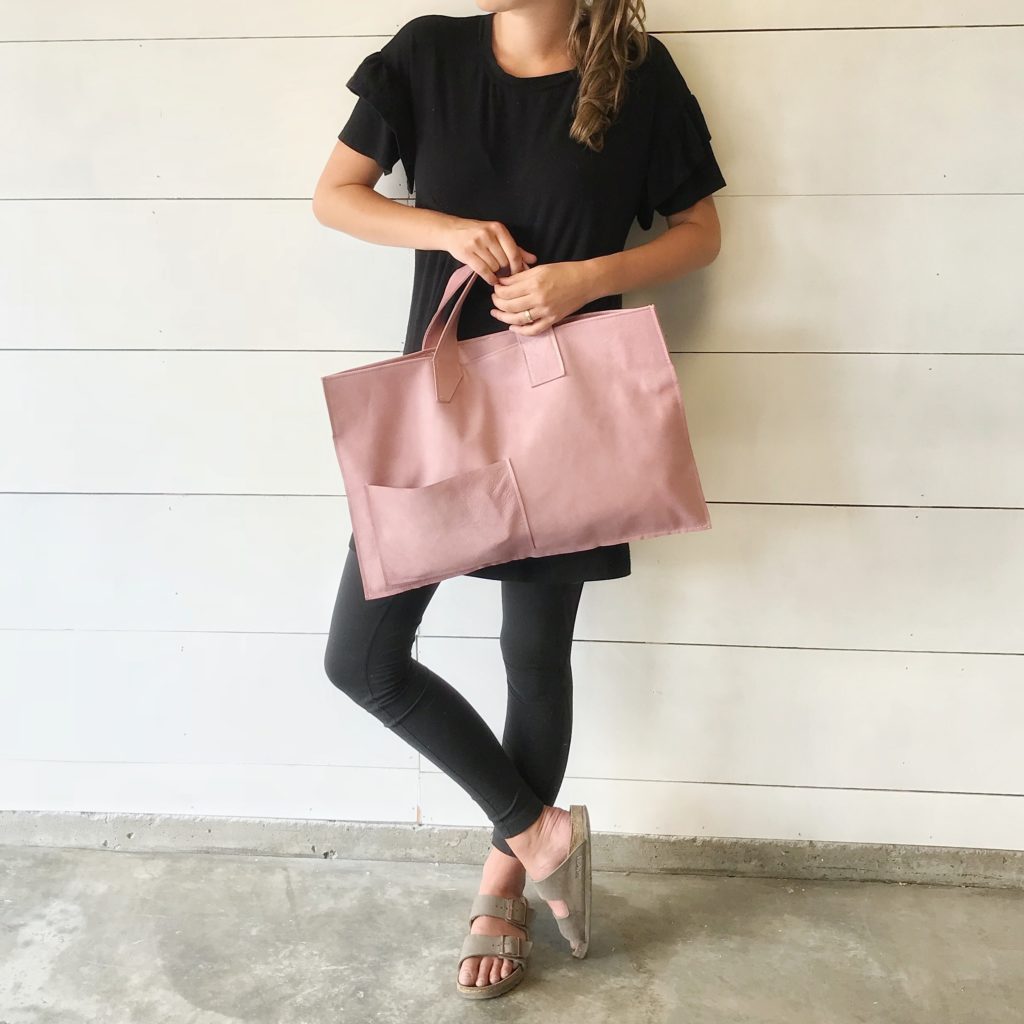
(345, 199)
(693, 240)
(553, 291)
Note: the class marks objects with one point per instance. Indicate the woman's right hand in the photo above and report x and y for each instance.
(485, 245)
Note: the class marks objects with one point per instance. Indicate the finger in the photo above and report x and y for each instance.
(495, 257)
(516, 303)
(512, 319)
(516, 286)
(507, 318)
(517, 322)
(537, 327)
(497, 250)
(510, 251)
(517, 277)
(486, 264)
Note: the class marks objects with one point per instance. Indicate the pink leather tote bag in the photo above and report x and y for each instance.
(474, 452)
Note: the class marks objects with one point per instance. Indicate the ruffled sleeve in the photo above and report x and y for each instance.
(368, 133)
(681, 165)
(383, 123)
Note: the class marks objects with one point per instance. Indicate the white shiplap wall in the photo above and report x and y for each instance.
(839, 658)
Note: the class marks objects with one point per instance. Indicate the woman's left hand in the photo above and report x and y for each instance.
(550, 291)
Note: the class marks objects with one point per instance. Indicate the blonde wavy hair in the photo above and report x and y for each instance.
(606, 38)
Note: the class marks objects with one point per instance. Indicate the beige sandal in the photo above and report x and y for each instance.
(571, 882)
(514, 909)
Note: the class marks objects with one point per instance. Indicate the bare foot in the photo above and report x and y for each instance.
(502, 876)
(543, 846)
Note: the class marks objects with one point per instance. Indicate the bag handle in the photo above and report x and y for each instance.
(462, 275)
(540, 351)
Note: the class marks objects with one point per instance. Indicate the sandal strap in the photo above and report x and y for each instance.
(511, 947)
(567, 881)
(514, 909)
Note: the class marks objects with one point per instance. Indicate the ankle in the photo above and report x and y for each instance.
(538, 835)
(502, 875)
(500, 859)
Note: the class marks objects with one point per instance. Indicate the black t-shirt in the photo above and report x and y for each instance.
(478, 142)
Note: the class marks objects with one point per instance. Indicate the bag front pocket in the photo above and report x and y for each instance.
(451, 526)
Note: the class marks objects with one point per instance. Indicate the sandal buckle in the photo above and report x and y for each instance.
(515, 912)
(511, 944)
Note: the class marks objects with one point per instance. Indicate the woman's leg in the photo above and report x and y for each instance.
(538, 620)
(536, 639)
(369, 657)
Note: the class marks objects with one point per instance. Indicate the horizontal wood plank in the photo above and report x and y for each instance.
(764, 812)
(801, 428)
(68, 19)
(169, 274)
(663, 712)
(229, 790)
(196, 698)
(676, 712)
(800, 576)
(808, 273)
(766, 575)
(789, 125)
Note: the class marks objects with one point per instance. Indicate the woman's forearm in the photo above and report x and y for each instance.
(363, 212)
(680, 250)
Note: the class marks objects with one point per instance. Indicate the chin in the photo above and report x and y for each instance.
(494, 6)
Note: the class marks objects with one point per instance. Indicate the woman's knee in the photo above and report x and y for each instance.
(347, 673)
(362, 633)
(369, 645)
(376, 670)
(538, 636)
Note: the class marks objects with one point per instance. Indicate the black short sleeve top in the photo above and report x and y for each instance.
(478, 142)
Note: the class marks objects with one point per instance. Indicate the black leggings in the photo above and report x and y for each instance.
(369, 657)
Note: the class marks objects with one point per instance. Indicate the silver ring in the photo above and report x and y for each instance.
(529, 317)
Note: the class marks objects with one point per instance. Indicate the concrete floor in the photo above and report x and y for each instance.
(141, 938)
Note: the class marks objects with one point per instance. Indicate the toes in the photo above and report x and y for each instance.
(486, 970)
(559, 908)
(484, 977)
(467, 976)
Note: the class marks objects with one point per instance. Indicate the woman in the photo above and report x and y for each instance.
(534, 134)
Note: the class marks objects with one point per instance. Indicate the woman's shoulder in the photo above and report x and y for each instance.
(427, 43)
(658, 64)
(656, 83)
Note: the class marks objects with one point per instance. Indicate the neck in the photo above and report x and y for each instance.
(532, 40)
